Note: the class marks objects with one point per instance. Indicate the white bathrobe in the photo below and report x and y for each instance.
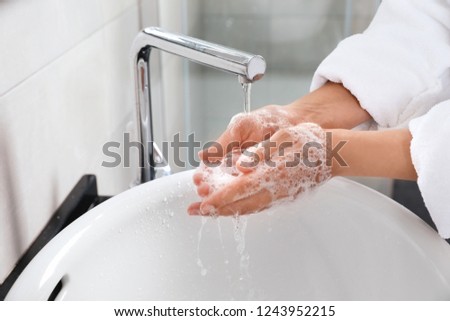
(399, 70)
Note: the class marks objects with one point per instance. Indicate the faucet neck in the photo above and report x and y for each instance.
(247, 66)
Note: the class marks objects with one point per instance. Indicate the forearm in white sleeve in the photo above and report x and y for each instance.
(400, 66)
(430, 153)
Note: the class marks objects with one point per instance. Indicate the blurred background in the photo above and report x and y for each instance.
(66, 86)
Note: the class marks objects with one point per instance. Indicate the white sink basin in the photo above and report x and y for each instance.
(341, 242)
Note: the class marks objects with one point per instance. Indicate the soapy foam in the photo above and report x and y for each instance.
(258, 125)
(295, 172)
(287, 175)
(218, 176)
(298, 168)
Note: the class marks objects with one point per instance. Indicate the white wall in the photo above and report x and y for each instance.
(65, 90)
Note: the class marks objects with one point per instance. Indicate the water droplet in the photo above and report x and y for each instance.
(229, 23)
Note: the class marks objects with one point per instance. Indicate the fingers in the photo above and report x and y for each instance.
(251, 204)
(197, 178)
(265, 151)
(194, 208)
(237, 189)
(246, 130)
(223, 145)
(238, 135)
(203, 190)
(278, 143)
(246, 184)
(249, 159)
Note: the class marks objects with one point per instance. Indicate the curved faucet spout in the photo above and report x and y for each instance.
(247, 66)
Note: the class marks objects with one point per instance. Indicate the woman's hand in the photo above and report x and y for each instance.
(243, 189)
(245, 130)
(263, 174)
(292, 161)
(331, 106)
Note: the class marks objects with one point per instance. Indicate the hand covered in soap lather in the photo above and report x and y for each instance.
(293, 160)
(251, 178)
(245, 130)
(331, 106)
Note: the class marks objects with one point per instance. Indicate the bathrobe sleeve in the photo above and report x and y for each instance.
(399, 70)
(400, 66)
(430, 151)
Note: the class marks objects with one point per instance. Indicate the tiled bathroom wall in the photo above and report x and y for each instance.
(65, 90)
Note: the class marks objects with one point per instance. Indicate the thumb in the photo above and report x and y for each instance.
(250, 158)
(218, 149)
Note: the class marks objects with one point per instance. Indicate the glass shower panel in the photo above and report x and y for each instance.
(294, 36)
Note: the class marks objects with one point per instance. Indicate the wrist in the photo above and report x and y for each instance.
(370, 153)
(309, 112)
(337, 156)
(331, 106)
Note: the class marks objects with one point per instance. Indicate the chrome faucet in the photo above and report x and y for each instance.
(248, 67)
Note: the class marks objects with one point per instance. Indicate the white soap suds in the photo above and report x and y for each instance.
(262, 123)
(295, 164)
(298, 168)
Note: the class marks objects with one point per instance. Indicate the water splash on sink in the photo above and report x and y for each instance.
(203, 270)
(242, 287)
